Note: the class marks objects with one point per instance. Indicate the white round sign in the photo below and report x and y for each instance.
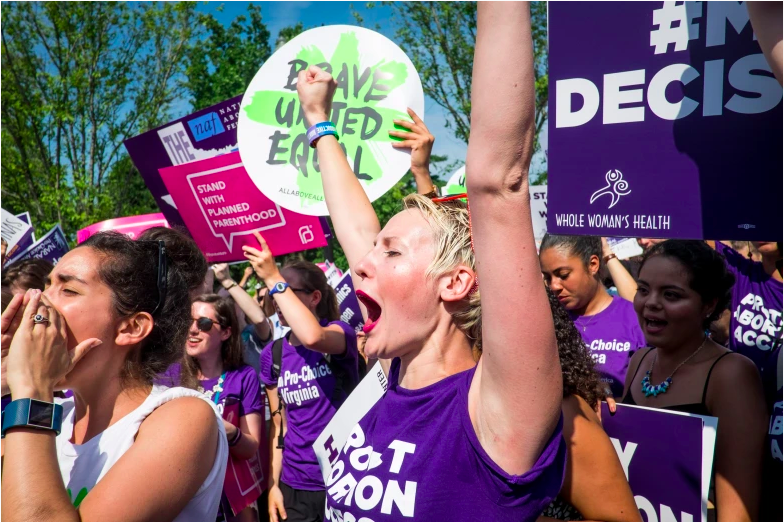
(376, 83)
(538, 193)
(456, 183)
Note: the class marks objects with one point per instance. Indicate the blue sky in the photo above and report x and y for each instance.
(277, 15)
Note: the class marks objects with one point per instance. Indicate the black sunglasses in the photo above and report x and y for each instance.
(205, 324)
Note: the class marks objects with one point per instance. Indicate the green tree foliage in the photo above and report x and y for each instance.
(288, 33)
(439, 37)
(224, 61)
(78, 78)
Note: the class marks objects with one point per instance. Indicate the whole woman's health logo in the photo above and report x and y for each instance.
(615, 188)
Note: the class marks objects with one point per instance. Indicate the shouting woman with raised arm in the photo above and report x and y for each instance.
(450, 439)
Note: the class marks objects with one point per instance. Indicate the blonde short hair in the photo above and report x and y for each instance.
(452, 232)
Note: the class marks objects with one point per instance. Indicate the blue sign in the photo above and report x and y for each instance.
(206, 126)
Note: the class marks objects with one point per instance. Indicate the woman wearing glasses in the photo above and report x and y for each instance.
(214, 366)
(115, 316)
(315, 370)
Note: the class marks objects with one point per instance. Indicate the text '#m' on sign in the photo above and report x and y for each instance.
(376, 82)
(665, 121)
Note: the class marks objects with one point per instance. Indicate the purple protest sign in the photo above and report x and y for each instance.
(222, 208)
(667, 457)
(16, 234)
(27, 243)
(52, 246)
(350, 313)
(665, 121)
(204, 134)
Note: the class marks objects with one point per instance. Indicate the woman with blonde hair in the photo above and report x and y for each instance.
(452, 439)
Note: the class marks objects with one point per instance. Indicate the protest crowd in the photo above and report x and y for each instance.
(478, 378)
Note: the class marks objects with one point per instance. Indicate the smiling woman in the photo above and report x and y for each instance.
(115, 315)
(213, 365)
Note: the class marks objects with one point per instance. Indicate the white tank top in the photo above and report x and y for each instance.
(83, 465)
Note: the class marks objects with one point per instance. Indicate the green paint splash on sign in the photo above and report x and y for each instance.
(361, 124)
(79, 497)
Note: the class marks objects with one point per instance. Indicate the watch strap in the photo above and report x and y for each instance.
(278, 288)
(32, 413)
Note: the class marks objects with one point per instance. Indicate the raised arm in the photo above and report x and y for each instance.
(418, 139)
(306, 327)
(355, 221)
(624, 282)
(253, 312)
(515, 398)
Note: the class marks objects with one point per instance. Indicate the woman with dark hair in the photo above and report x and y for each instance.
(198, 277)
(683, 287)
(115, 316)
(315, 370)
(571, 267)
(214, 366)
(595, 487)
(21, 276)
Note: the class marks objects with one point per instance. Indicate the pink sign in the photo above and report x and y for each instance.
(244, 481)
(131, 226)
(222, 208)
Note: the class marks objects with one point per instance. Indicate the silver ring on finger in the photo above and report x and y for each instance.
(40, 319)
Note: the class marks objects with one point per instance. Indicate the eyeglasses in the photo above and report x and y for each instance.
(205, 324)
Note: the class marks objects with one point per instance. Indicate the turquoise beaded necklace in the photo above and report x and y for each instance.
(649, 390)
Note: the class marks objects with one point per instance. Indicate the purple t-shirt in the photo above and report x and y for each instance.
(240, 385)
(416, 456)
(755, 326)
(613, 335)
(306, 384)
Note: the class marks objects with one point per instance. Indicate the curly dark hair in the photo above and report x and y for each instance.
(187, 252)
(708, 274)
(26, 274)
(130, 269)
(577, 368)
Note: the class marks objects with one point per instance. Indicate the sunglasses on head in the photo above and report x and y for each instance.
(451, 197)
(205, 324)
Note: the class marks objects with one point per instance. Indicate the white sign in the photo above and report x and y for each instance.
(367, 393)
(456, 185)
(624, 247)
(376, 83)
(14, 231)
